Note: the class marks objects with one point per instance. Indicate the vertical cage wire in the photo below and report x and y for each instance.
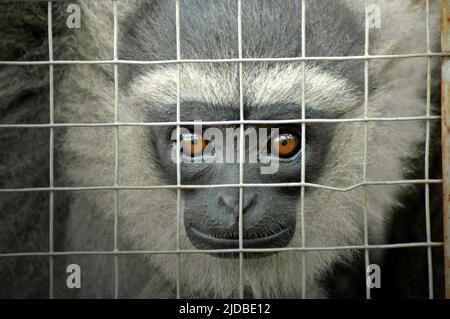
(366, 108)
(427, 158)
(177, 22)
(303, 147)
(241, 157)
(116, 151)
(51, 146)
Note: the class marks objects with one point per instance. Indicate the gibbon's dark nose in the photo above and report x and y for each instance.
(231, 201)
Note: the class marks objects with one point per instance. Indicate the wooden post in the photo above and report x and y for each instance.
(445, 89)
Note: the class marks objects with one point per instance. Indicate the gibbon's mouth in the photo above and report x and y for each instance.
(203, 240)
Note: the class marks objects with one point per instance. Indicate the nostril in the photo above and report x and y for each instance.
(232, 202)
(248, 202)
(228, 201)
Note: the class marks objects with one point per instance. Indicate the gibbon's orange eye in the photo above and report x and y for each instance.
(193, 145)
(285, 145)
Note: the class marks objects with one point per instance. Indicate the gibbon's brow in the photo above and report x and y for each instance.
(197, 111)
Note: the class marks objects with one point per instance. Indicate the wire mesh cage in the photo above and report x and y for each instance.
(117, 129)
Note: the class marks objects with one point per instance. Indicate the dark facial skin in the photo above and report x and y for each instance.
(211, 215)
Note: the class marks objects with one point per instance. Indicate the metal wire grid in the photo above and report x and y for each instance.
(116, 155)
(303, 171)
(427, 159)
(51, 148)
(366, 102)
(241, 122)
(241, 156)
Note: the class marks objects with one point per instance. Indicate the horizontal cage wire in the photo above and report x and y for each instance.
(116, 187)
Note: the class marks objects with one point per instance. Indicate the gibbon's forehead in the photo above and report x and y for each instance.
(264, 86)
